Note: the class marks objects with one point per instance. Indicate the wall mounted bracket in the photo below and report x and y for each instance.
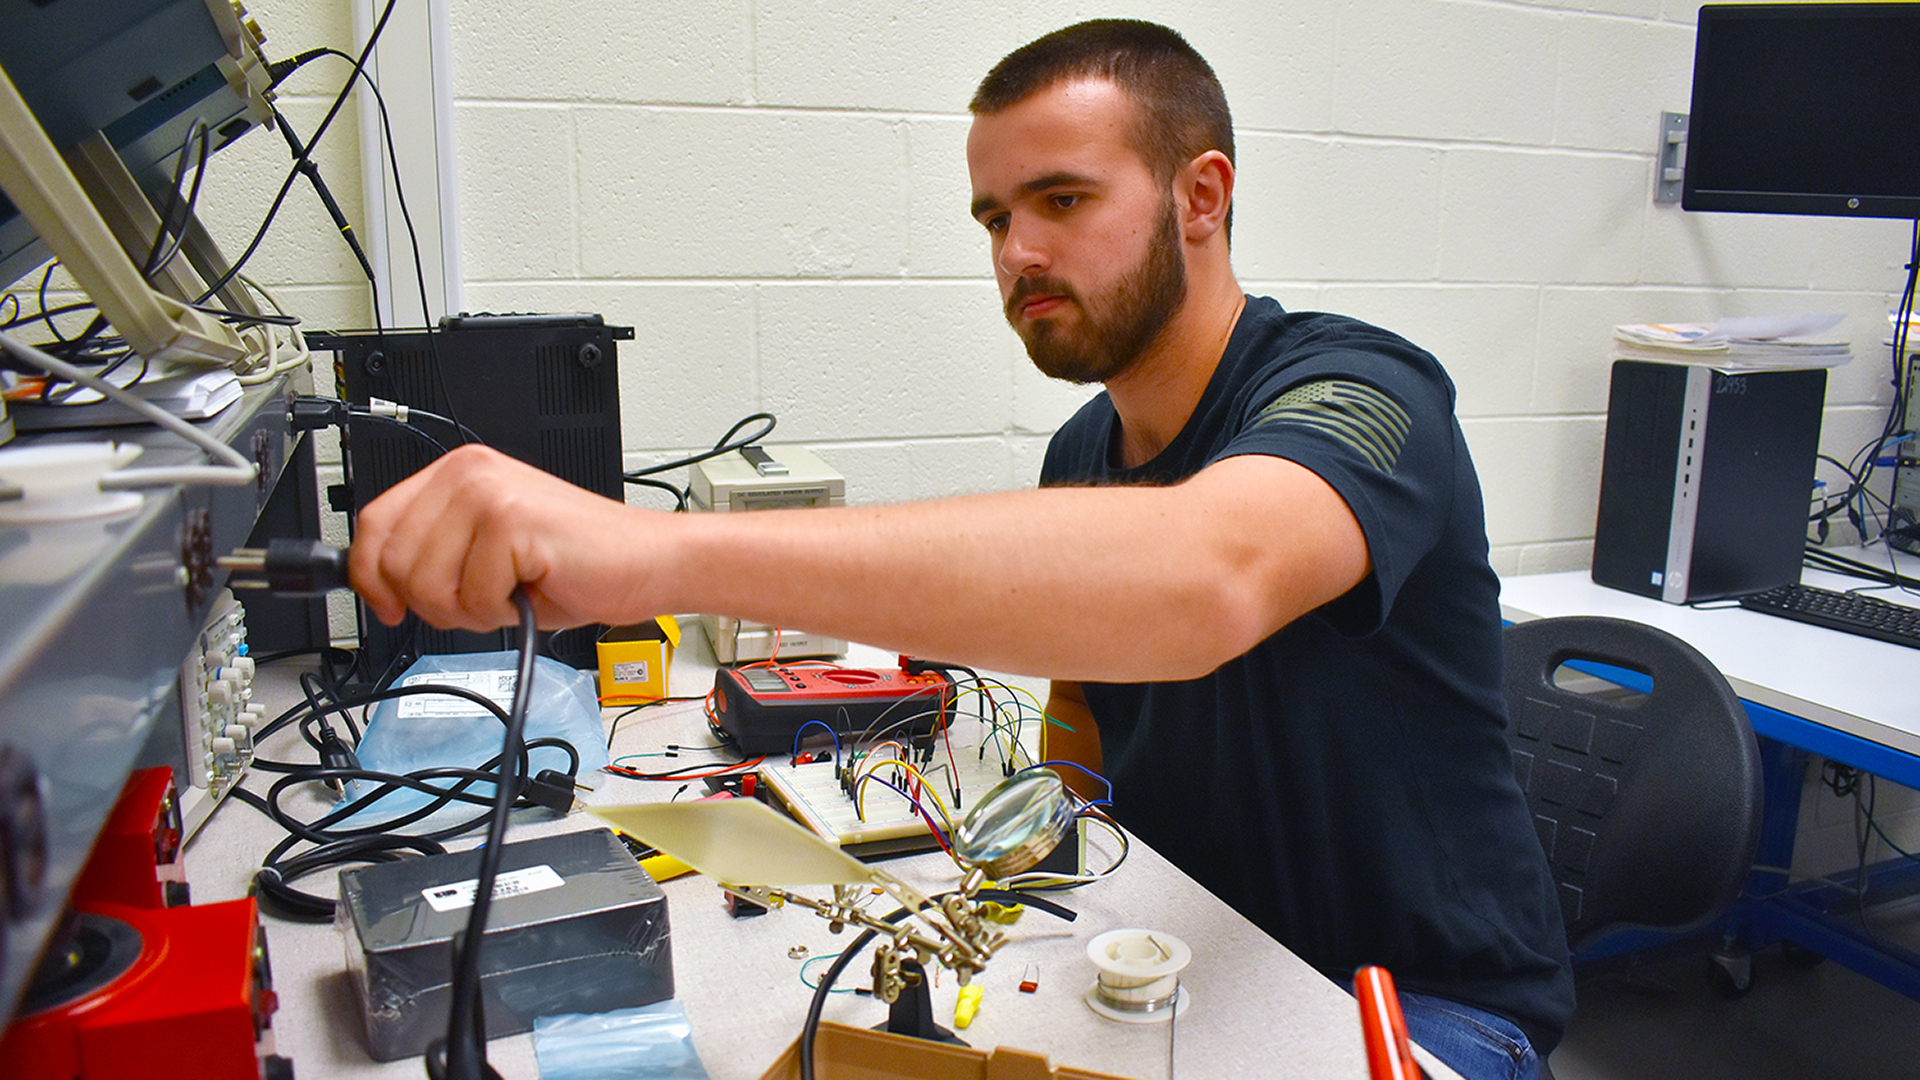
(1672, 158)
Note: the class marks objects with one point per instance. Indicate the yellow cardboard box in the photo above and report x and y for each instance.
(634, 661)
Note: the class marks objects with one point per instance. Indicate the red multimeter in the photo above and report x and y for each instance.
(761, 709)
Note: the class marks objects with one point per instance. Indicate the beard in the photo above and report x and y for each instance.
(1116, 327)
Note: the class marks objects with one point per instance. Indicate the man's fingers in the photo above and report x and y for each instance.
(422, 546)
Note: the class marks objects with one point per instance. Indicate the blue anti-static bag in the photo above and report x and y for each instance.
(652, 1042)
(428, 731)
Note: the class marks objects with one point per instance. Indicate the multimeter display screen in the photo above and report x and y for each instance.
(764, 681)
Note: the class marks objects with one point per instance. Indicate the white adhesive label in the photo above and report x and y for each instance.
(496, 685)
(459, 894)
(633, 671)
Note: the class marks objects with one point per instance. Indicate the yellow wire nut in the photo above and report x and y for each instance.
(967, 1004)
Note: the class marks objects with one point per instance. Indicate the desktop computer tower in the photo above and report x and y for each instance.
(542, 388)
(1707, 479)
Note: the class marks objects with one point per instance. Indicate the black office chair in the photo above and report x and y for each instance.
(1648, 805)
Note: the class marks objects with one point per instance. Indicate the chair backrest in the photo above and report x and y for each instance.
(1648, 805)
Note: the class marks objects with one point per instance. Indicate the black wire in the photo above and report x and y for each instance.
(463, 1054)
(679, 494)
(810, 1031)
(381, 842)
(439, 447)
(294, 172)
(374, 697)
(456, 426)
(324, 831)
(21, 318)
(272, 884)
(1822, 559)
(722, 447)
(173, 232)
(1896, 421)
(248, 317)
(413, 239)
(52, 327)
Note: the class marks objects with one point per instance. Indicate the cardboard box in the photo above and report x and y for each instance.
(576, 927)
(849, 1053)
(634, 661)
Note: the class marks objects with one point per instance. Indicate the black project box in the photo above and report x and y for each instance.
(1707, 479)
(543, 388)
(763, 709)
(576, 927)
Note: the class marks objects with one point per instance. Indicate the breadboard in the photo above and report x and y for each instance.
(812, 794)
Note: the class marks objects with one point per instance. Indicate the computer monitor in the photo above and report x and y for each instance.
(1805, 109)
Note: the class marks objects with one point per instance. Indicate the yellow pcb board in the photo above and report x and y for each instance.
(737, 842)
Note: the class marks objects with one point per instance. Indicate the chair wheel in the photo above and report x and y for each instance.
(1732, 974)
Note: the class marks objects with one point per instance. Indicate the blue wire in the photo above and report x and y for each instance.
(1108, 784)
(822, 725)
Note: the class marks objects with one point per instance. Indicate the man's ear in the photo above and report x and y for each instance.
(1207, 183)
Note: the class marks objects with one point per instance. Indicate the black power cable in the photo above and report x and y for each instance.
(643, 477)
(462, 1055)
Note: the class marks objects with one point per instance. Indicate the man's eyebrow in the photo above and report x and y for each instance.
(1035, 186)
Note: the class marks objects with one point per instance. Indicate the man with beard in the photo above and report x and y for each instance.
(1256, 567)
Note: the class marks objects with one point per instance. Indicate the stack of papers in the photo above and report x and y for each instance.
(191, 395)
(1740, 344)
(1913, 330)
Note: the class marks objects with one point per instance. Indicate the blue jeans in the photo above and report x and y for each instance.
(1477, 1044)
(1474, 1043)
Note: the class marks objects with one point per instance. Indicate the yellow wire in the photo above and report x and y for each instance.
(927, 790)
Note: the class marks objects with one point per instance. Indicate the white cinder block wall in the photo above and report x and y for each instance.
(774, 194)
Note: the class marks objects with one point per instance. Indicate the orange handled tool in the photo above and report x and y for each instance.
(1383, 1028)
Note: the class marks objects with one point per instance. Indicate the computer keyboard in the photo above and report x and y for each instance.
(1852, 613)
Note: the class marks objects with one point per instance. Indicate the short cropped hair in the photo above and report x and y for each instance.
(1182, 109)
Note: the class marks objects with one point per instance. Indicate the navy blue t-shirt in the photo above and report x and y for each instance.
(1346, 784)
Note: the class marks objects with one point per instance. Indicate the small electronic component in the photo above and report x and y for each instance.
(967, 1005)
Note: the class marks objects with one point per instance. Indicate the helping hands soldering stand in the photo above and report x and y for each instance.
(960, 940)
(1010, 829)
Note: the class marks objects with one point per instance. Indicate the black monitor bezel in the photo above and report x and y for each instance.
(1705, 120)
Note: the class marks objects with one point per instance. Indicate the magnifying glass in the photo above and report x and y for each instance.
(1016, 824)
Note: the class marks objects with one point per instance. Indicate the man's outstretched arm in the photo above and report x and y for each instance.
(1109, 584)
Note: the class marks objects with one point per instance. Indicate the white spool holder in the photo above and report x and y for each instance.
(61, 482)
(1139, 976)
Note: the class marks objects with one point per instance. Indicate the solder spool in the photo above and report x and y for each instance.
(1139, 977)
